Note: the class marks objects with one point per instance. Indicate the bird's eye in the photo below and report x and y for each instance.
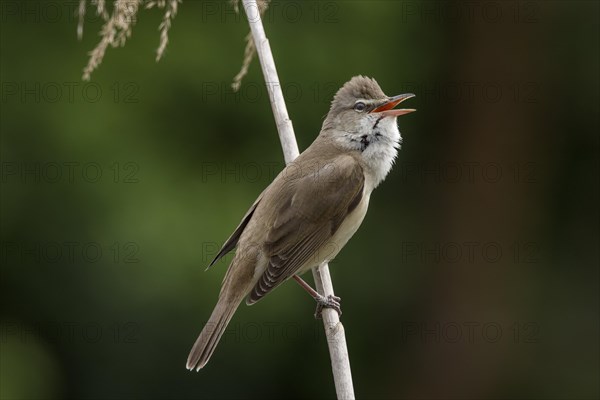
(360, 106)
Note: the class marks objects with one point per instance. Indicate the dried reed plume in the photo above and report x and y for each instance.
(170, 7)
(250, 49)
(118, 26)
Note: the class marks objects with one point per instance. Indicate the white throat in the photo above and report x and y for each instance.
(378, 143)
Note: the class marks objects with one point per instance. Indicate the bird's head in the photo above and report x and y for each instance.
(362, 115)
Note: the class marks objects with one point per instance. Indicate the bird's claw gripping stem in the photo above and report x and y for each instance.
(328, 302)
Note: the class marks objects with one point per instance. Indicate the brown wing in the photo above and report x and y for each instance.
(235, 236)
(310, 210)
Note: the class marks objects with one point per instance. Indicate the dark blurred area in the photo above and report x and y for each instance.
(473, 276)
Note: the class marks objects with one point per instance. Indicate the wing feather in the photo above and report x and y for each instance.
(235, 236)
(311, 209)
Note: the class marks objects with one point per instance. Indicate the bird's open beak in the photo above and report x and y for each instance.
(387, 108)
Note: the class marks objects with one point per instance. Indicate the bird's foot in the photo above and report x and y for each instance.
(328, 302)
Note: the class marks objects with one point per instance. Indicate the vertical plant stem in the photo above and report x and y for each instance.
(334, 330)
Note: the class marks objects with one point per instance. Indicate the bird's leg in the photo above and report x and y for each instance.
(322, 301)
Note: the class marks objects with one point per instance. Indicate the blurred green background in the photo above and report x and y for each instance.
(474, 275)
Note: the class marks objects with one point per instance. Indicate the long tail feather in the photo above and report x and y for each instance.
(213, 330)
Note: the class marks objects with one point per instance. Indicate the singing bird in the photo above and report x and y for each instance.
(312, 208)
